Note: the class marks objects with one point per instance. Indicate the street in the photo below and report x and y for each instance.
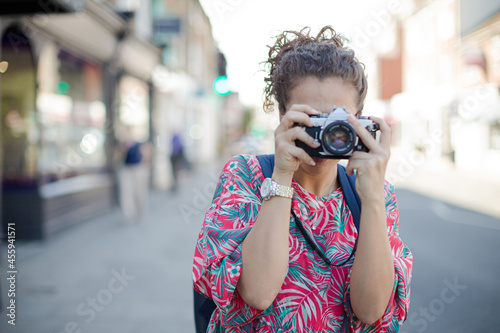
(451, 246)
(103, 276)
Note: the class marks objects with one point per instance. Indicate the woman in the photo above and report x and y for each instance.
(250, 257)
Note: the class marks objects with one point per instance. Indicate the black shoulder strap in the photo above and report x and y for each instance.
(351, 197)
(347, 183)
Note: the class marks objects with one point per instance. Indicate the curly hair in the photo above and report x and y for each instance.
(296, 54)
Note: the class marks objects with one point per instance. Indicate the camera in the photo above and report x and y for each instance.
(337, 138)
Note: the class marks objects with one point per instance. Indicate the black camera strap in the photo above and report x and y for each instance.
(310, 240)
(348, 185)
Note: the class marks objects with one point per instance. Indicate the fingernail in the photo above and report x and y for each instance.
(311, 162)
(316, 143)
(316, 111)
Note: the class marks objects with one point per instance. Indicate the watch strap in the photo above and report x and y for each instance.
(281, 190)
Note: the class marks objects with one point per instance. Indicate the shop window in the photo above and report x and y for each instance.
(19, 131)
(72, 116)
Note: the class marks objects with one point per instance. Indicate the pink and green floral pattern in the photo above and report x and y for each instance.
(314, 296)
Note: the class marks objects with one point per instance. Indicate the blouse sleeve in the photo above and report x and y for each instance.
(217, 259)
(399, 302)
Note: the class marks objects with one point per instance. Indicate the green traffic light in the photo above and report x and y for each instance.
(62, 88)
(221, 86)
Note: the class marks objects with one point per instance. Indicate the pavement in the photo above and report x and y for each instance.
(106, 276)
(476, 190)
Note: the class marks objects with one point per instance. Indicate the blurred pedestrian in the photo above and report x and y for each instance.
(133, 177)
(177, 159)
(282, 254)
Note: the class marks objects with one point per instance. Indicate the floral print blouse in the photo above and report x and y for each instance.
(314, 297)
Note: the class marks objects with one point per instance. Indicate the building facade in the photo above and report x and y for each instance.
(449, 107)
(75, 76)
(476, 127)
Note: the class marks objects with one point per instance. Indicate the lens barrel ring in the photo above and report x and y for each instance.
(339, 138)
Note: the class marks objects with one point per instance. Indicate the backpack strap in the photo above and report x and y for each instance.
(267, 164)
(203, 310)
(204, 307)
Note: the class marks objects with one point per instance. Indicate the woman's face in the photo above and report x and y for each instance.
(323, 95)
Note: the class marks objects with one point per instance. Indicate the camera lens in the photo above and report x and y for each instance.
(338, 138)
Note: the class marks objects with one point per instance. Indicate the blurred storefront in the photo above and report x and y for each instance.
(477, 111)
(74, 76)
(437, 80)
(449, 106)
(19, 127)
(430, 75)
(185, 103)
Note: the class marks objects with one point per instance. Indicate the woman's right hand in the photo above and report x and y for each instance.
(287, 155)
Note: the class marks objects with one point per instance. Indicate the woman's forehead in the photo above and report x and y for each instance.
(324, 94)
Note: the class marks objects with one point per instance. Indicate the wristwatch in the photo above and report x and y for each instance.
(270, 188)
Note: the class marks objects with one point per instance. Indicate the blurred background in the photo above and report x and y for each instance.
(117, 117)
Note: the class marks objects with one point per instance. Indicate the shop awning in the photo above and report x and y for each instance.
(95, 33)
(25, 7)
(138, 57)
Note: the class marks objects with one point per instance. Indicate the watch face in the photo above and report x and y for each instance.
(265, 189)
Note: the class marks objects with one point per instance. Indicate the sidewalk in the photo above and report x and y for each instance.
(477, 191)
(103, 276)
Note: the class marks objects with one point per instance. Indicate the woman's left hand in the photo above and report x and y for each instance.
(370, 166)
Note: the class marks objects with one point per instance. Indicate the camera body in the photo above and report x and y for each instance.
(337, 138)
